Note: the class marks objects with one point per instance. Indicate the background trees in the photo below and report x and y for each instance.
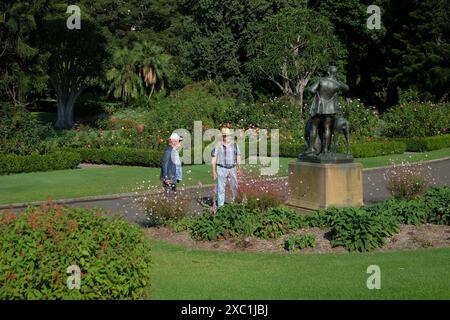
(77, 58)
(125, 81)
(290, 47)
(236, 44)
(421, 50)
(21, 62)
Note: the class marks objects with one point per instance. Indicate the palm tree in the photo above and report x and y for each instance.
(124, 75)
(154, 65)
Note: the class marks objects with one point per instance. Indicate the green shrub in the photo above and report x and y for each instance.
(322, 218)
(135, 136)
(198, 101)
(438, 202)
(11, 163)
(359, 230)
(291, 150)
(278, 113)
(363, 121)
(413, 212)
(120, 156)
(415, 119)
(299, 242)
(422, 144)
(358, 150)
(183, 224)
(38, 246)
(21, 133)
(237, 220)
(376, 149)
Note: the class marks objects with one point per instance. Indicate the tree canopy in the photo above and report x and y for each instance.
(238, 44)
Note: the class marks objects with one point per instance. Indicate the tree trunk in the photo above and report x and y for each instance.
(65, 107)
(61, 120)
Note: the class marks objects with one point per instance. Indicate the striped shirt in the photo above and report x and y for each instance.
(226, 155)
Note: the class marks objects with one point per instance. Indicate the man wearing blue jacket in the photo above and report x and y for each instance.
(171, 170)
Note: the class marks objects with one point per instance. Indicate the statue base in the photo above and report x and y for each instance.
(326, 158)
(315, 186)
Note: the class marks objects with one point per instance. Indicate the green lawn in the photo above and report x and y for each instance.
(182, 273)
(63, 184)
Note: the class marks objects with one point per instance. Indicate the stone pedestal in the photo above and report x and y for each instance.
(314, 186)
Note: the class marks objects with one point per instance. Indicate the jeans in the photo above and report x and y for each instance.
(223, 175)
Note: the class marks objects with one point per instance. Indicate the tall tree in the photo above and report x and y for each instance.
(366, 47)
(217, 34)
(291, 47)
(124, 75)
(77, 60)
(154, 64)
(421, 50)
(21, 63)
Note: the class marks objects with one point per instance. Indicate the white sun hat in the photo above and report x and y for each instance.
(175, 136)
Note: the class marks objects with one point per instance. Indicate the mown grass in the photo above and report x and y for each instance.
(182, 273)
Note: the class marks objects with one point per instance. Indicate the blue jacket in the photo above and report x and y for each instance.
(168, 167)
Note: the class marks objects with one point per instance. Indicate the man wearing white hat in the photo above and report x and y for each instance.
(171, 170)
(226, 156)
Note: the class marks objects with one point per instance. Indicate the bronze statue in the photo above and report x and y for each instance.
(324, 124)
(323, 110)
(341, 125)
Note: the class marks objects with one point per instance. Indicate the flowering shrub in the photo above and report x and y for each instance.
(407, 181)
(38, 246)
(415, 119)
(163, 210)
(364, 121)
(257, 192)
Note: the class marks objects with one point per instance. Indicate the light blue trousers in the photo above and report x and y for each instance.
(223, 175)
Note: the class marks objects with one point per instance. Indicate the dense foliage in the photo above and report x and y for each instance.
(20, 132)
(58, 160)
(415, 119)
(39, 245)
(298, 242)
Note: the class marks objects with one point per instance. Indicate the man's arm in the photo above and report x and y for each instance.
(214, 162)
(238, 160)
(239, 164)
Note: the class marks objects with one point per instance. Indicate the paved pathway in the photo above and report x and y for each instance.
(374, 191)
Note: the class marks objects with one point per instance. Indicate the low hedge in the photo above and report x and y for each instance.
(38, 246)
(11, 163)
(358, 150)
(376, 149)
(421, 144)
(121, 156)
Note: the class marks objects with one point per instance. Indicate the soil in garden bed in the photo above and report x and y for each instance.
(409, 238)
